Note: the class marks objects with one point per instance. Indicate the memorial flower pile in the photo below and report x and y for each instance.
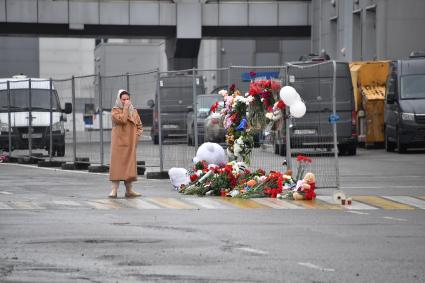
(235, 180)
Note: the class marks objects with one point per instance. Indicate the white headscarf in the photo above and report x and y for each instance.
(118, 103)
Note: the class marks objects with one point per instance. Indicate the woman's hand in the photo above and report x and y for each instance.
(127, 103)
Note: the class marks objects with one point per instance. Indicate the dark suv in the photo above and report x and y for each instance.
(176, 97)
(404, 114)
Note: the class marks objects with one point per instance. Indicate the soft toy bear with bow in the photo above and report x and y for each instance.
(305, 188)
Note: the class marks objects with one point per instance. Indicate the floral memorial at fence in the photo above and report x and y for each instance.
(242, 117)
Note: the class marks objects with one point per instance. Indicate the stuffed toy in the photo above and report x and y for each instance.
(305, 188)
(178, 177)
(212, 153)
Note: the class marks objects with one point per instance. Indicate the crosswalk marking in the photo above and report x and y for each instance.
(189, 202)
(26, 205)
(355, 205)
(316, 204)
(207, 203)
(137, 203)
(104, 204)
(4, 206)
(243, 203)
(172, 203)
(66, 202)
(382, 203)
(277, 203)
(408, 200)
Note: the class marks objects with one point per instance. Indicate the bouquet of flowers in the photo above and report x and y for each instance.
(239, 134)
(265, 104)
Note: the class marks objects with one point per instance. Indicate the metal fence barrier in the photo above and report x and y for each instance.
(180, 103)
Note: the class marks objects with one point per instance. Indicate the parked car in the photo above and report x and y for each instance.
(176, 97)
(404, 112)
(205, 129)
(314, 84)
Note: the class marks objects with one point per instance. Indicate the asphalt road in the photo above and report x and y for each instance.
(58, 226)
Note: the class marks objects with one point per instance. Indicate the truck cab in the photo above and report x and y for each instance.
(25, 106)
(404, 112)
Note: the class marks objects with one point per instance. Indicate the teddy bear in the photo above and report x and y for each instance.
(305, 188)
(212, 153)
(178, 177)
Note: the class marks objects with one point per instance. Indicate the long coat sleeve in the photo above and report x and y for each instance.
(126, 130)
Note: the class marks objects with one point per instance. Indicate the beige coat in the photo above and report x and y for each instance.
(126, 130)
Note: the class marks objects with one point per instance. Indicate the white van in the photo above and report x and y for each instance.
(19, 89)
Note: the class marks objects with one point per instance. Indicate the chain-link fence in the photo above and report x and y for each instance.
(175, 110)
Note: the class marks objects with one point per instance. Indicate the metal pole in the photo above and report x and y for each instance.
(158, 93)
(51, 120)
(229, 72)
(128, 82)
(74, 127)
(9, 119)
(334, 125)
(195, 110)
(287, 129)
(100, 120)
(29, 119)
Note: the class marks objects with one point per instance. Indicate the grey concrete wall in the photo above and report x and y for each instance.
(19, 55)
(368, 29)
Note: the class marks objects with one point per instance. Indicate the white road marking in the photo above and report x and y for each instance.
(394, 218)
(357, 212)
(66, 202)
(207, 203)
(137, 203)
(277, 203)
(310, 265)
(4, 206)
(5, 193)
(408, 200)
(253, 251)
(355, 205)
(26, 205)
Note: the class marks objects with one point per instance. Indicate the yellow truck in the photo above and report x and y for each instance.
(369, 80)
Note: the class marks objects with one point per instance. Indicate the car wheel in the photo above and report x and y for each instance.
(60, 151)
(400, 146)
(351, 149)
(389, 146)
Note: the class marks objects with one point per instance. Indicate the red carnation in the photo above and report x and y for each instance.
(267, 84)
(214, 107)
(280, 104)
(232, 88)
(270, 109)
(193, 177)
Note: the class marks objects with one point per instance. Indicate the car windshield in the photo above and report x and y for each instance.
(19, 99)
(205, 102)
(413, 86)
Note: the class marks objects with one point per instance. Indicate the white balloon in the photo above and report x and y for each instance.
(289, 95)
(297, 109)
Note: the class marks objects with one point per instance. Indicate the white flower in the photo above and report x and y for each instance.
(237, 149)
(223, 92)
(249, 99)
(269, 115)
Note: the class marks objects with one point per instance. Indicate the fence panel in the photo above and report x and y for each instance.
(314, 135)
(142, 88)
(82, 125)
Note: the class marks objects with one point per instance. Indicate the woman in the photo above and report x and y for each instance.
(126, 128)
